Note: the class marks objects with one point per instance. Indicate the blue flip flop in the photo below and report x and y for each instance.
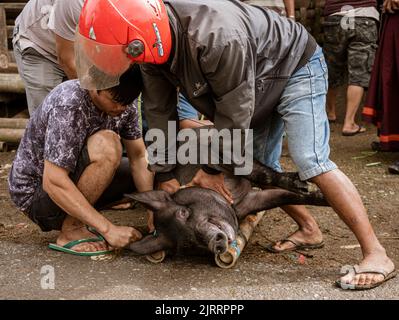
(67, 248)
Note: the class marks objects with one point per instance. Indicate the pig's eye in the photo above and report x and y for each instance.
(182, 214)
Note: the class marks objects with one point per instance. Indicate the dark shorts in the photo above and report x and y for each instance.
(48, 216)
(350, 49)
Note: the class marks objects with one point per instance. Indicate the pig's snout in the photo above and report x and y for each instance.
(219, 243)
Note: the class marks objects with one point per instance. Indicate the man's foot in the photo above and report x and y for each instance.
(356, 129)
(299, 240)
(332, 117)
(66, 236)
(374, 270)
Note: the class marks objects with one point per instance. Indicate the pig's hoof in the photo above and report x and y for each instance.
(290, 181)
(301, 186)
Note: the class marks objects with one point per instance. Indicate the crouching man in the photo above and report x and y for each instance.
(69, 164)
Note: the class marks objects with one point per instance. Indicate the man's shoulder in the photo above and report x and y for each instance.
(130, 117)
(70, 8)
(131, 110)
(67, 93)
(66, 96)
(216, 23)
(66, 18)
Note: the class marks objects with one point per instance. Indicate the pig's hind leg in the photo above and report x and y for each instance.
(264, 177)
(256, 201)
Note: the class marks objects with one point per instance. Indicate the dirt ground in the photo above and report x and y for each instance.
(257, 275)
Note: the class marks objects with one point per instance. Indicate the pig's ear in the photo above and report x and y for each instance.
(153, 200)
(151, 244)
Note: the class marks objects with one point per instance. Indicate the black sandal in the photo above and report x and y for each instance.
(394, 168)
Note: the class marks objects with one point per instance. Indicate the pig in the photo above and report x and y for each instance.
(202, 218)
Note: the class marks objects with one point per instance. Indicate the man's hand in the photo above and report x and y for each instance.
(390, 6)
(170, 186)
(120, 237)
(214, 182)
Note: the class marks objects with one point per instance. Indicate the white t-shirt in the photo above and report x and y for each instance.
(40, 19)
(366, 12)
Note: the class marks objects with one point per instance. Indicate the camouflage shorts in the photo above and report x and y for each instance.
(350, 50)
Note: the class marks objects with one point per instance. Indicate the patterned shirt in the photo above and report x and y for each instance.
(57, 132)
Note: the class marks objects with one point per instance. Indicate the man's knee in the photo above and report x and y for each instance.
(105, 147)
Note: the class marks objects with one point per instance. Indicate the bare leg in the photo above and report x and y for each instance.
(345, 200)
(308, 231)
(105, 152)
(354, 98)
(331, 104)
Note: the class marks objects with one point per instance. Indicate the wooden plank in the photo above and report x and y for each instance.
(15, 1)
(10, 30)
(12, 68)
(12, 6)
(24, 114)
(4, 59)
(13, 123)
(11, 135)
(3, 30)
(11, 82)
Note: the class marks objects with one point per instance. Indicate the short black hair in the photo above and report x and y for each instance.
(129, 87)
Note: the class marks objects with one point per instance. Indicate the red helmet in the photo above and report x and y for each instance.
(114, 33)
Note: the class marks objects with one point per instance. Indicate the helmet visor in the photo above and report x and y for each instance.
(99, 66)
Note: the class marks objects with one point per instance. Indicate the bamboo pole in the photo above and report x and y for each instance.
(229, 258)
(11, 135)
(13, 123)
(11, 82)
(10, 68)
(156, 257)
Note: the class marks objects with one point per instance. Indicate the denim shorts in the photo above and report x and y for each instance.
(185, 110)
(301, 114)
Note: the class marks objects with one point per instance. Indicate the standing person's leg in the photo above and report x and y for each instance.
(308, 233)
(267, 150)
(331, 104)
(304, 116)
(39, 75)
(353, 99)
(335, 50)
(361, 53)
